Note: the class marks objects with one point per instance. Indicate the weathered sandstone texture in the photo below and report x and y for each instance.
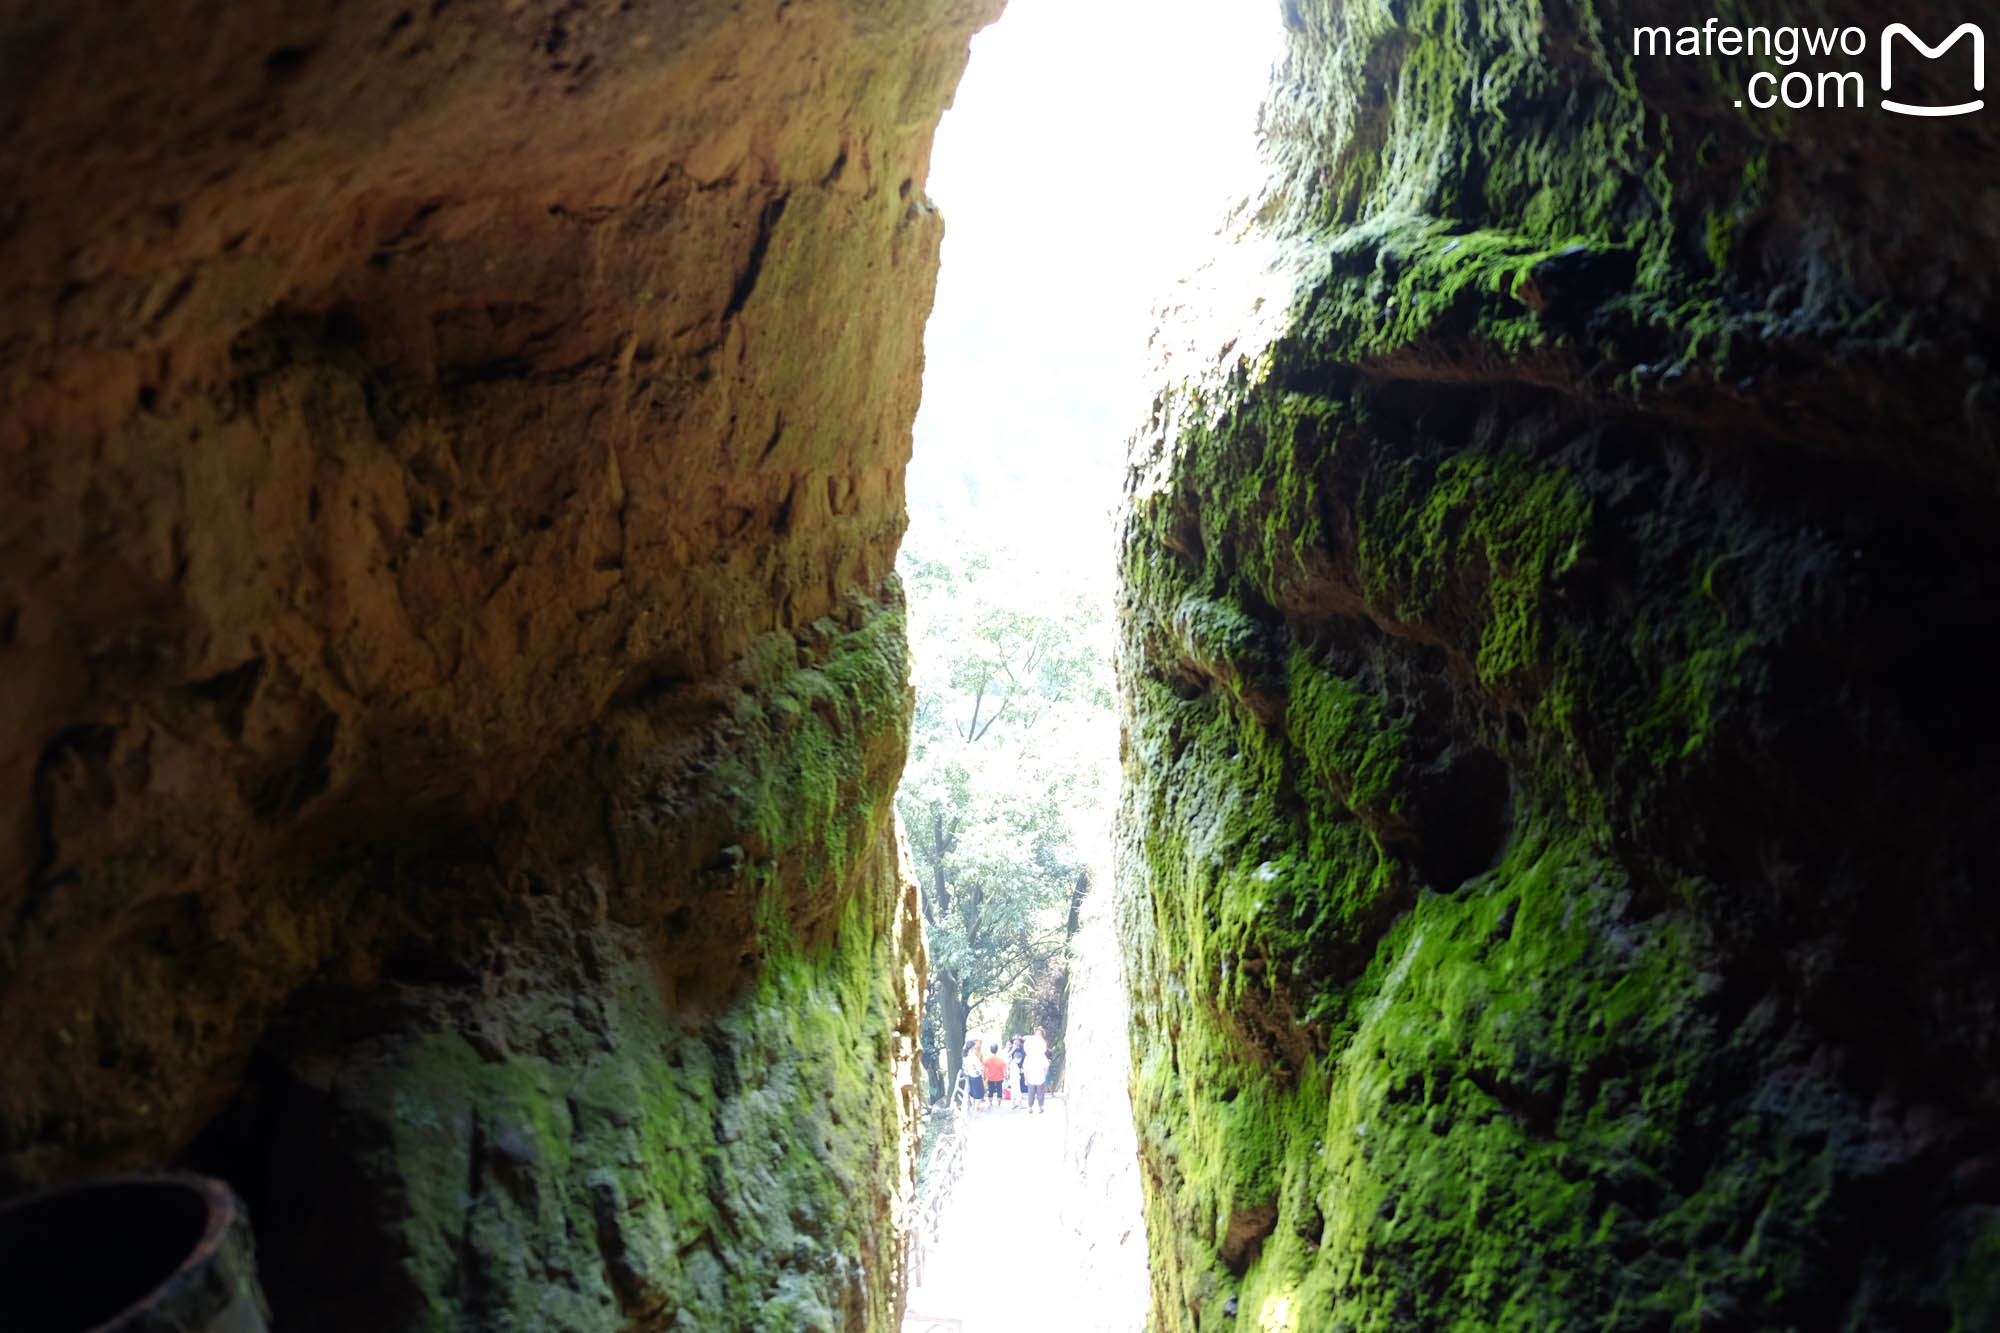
(1564, 808)
(451, 672)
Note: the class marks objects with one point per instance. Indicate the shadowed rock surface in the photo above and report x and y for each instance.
(451, 673)
(1562, 803)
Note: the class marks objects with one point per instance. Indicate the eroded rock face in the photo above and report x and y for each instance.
(451, 673)
(1562, 794)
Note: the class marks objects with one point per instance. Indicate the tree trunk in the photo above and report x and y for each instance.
(953, 1012)
(1059, 1027)
(929, 1048)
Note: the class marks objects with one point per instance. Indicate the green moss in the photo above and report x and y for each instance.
(1721, 241)
(1481, 142)
(1342, 734)
(1484, 504)
(1406, 541)
(1391, 1170)
(1501, 522)
(576, 1150)
(1975, 1305)
(540, 1193)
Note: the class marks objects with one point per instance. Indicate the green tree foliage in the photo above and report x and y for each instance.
(1005, 791)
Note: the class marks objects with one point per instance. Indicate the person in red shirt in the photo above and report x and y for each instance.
(996, 1073)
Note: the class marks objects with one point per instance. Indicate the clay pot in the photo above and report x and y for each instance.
(131, 1254)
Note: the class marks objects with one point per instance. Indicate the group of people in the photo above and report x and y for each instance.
(1022, 1072)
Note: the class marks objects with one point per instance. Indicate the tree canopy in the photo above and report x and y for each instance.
(1005, 796)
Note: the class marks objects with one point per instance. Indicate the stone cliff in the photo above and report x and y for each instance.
(451, 671)
(1561, 776)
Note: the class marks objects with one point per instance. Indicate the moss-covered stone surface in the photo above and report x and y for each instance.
(1561, 785)
(607, 1102)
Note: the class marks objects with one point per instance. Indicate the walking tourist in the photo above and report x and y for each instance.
(1035, 1071)
(996, 1073)
(975, 1077)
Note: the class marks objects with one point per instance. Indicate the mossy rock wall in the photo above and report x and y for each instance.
(567, 1102)
(1561, 781)
(452, 673)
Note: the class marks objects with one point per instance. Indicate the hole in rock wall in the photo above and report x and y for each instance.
(1461, 817)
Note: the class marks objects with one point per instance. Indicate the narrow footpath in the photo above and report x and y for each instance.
(1010, 1255)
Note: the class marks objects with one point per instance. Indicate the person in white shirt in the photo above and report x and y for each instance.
(975, 1077)
(1035, 1070)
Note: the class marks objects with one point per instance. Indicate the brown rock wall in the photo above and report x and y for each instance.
(437, 443)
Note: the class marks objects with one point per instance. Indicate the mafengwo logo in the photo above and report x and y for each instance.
(1799, 89)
